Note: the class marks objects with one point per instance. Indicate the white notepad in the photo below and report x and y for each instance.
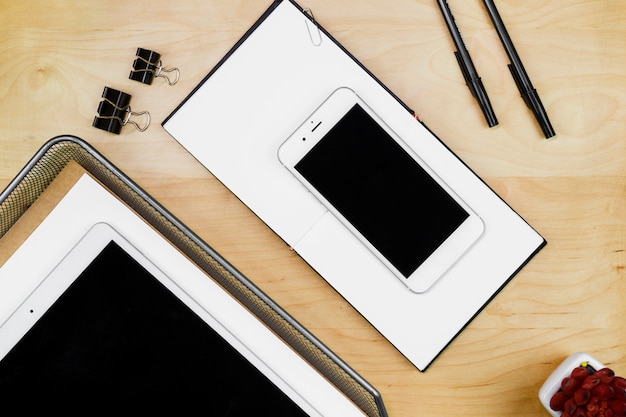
(234, 123)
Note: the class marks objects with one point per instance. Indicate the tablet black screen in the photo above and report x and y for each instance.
(119, 341)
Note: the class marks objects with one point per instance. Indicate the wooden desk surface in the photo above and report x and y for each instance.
(56, 59)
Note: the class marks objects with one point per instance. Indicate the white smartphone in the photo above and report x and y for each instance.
(376, 185)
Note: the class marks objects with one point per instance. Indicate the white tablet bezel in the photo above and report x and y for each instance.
(312, 130)
(265, 342)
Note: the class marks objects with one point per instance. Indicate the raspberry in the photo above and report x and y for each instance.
(618, 407)
(558, 400)
(605, 374)
(582, 396)
(570, 386)
(591, 381)
(620, 393)
(593, 405)
(603, 392)
(570, 406)
(580, 373)
(618, 381)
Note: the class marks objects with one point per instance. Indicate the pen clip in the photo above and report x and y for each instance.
(520, 84)
(465, 72)
(477, 89)
(532, 100)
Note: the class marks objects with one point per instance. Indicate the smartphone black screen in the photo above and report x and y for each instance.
(119, 342)
(381, 190)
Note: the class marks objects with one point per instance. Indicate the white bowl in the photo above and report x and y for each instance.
(553, 383)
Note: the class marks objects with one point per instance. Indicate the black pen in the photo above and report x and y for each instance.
(528, 92)
(472, 79)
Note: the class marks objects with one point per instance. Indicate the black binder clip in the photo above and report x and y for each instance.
(114, 112)
(148, 65)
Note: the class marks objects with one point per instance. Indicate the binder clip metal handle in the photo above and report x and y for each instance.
(114, 112)
(148, 65)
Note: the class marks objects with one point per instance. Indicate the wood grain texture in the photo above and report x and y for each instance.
(57, 58)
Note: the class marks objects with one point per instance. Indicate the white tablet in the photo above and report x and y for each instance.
(357, 167)
(109, 330)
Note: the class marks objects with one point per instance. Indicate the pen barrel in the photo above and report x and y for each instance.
(464, 60)
(536, 106)
(524, 85)
(476, 87)
(451, 25)
(505, 39)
